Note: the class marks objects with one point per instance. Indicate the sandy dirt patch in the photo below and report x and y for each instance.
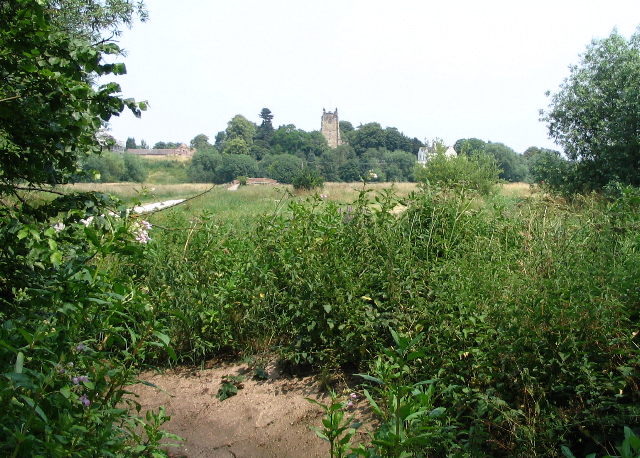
(267, 418)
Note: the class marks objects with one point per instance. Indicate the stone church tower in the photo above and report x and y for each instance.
(331, 128)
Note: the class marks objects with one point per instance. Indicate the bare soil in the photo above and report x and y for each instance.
(267, 418)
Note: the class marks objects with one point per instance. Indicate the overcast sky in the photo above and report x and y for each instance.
(448, 69)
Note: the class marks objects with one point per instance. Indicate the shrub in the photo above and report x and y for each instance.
(478, 173)
(281, 167)
(550, 170)
(72, 334)
(307, 179)
(204, 163)
(235, 165)
(134, 169)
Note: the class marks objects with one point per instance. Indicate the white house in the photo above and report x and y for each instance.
(425, 153)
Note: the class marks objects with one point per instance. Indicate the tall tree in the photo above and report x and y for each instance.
(264, 133)
(94, 20)
(200, 141)
(131, 143)
(241, 128)
(595, 115)
(50, 112)
(266, 117)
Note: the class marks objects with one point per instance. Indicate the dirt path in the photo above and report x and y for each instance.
(268, 418)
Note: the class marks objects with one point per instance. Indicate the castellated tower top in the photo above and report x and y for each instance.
(331, 128)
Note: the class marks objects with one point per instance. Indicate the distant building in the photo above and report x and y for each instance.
(426, 153)
(108, 142)
(182, 150)
(330, 128)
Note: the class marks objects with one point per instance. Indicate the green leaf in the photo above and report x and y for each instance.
(327, 308)
(567, 452)
(163, 337)
(56, 258)
(19, 363)
(65, 391)
(370, 378)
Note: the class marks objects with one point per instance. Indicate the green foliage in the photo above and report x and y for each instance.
(281, 167)
(306, 145)
(337, 429)
(551, 170)
(594, 114)
(200, 142)
(469, 146)
(307, 179)
(111, 167)
(161, 145)
(75, 332)
(235, 145)
(230, 386)
(134, 169)
(92, 19)
(203, 166)
(265, 130)
(372, 135)
(513, 166)
(476, 173)
(410, 424)
(630, 447)
(240, 128)
(57, 89)
(528, 310)
(235, 165)
(166, 171)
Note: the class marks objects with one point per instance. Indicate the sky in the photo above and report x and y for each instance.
(448, 69)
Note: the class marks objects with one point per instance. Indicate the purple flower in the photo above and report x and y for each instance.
(85, 400)
(353, 396)
(350, 405)
(81, 347)
(80, 379)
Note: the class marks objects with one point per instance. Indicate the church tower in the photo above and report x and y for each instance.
(330, 128)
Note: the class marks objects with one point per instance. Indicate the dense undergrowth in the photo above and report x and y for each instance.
(528, 307)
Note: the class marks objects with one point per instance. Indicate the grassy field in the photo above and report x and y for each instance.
(340, 192)
(249, 201)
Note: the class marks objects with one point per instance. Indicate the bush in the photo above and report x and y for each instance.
(113, 167)
(204, 163)
(550, 170)
(281, 167)
(307, 179)
(72, 333)
(478, 173)
(134, 169)
(106, 168)
(234, 165)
